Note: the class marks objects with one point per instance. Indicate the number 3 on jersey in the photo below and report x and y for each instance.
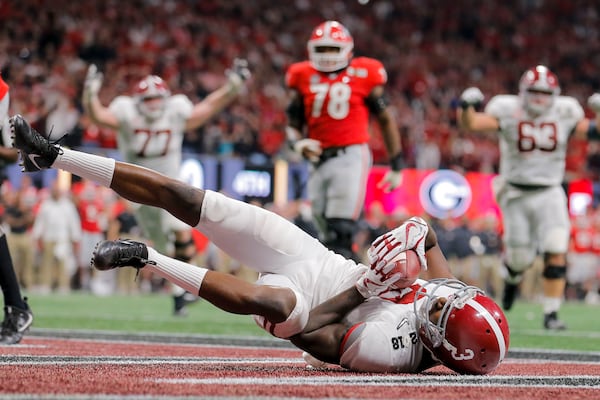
(338, 104)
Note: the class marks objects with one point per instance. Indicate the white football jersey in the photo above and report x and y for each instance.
(384, 335)
(157, 144)
(533, 150)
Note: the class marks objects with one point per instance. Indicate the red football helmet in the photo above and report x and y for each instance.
(328, 36)
(151, 94)
(471, 335)
(538, 87)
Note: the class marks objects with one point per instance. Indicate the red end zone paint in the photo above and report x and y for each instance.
(69, 367)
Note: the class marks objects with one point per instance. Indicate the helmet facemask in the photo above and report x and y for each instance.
(330, 47)
(151, 97)
(538, 89)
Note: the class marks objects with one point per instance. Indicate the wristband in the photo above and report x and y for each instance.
(464, 104)
(592, 132)
(397, 162)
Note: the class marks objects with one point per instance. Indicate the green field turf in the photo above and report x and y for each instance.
(153, 314)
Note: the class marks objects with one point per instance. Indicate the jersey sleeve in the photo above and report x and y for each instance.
(182, 105)
(121, 107)
(570, 109)
(375, 71)
(502, 106)
(292, 75)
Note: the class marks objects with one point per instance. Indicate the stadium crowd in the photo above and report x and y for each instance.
(432, 50)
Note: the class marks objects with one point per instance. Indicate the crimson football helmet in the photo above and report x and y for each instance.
(539, 88)
(471, 335)
(330, 35)
(151, 94)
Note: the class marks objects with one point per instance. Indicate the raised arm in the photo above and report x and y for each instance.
(391, 137)
(468, 118)
(590, 128)
(220, 98)
(91, 102)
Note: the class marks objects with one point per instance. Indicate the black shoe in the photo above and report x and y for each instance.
(551, 322)
(16, 322)
(37, 152)
(111, 254)
(509, 295)
(181, 302)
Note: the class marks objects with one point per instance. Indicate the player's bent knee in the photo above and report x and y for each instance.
(520, 258)
(554, 272)
(556, 241)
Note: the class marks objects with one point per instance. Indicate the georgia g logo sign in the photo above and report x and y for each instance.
(445, 193)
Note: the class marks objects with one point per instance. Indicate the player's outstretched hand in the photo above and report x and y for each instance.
(238, 73)
(472, 96)
(309, 149)
(93, 82)
(390, 181)
(594, 102)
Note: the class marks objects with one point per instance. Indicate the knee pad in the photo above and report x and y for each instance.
(520, 258)
(556, 241)
(294, 323)
(340, 235)
(554, 271)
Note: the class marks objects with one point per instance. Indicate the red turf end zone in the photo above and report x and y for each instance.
(68, 367)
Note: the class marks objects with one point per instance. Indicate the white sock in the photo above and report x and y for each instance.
(182, 274)
(89, 166)
(551, 304)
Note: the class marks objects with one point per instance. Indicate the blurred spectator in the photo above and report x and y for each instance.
(435, 59)
(19, 217)
(94, 220)
(57, 228)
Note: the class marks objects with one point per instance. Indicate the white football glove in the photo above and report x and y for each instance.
(472, 96)
(308, 148)
(390, 181)
(594, 102)
(395, 295)
(93, 82)
(237, 74)
(377, 279)
(410, 235)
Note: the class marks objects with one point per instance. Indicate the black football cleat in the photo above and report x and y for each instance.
(37, 152)
(509, 295)
(110, 254)
(551, 322)
(16, 322)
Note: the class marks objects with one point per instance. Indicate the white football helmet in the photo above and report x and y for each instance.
(471, 336)
(538, 88)
(151, 94)
(325, 37)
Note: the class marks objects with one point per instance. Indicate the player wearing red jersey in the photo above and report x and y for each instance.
(332, 96)
(17, 314)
